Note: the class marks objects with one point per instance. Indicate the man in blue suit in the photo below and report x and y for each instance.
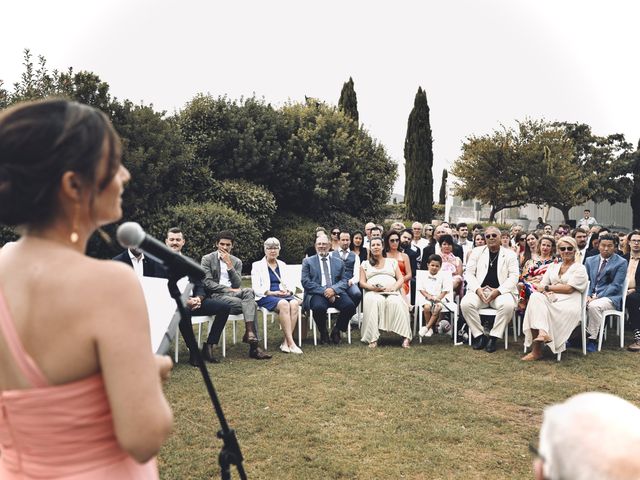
(607, 272)
(325, 286)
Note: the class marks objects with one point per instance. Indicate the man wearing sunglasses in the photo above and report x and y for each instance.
(492, 277)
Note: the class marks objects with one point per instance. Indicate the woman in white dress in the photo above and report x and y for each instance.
(384, 309)
(555, 309)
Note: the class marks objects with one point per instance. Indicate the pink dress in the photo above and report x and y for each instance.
(59, 431)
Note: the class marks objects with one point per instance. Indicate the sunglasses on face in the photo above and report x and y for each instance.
(565, 249)
(491, 235)
(335, 233)
(394, 240)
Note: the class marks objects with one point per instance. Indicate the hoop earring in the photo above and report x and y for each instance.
(74, 227)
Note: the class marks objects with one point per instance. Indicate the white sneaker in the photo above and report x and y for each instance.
(285, 348)
(423, 331)
(295, 349)
(429, 333)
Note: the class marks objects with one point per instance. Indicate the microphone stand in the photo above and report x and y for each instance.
(230, 453)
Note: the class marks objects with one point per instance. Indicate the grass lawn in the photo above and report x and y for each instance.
(433, 411)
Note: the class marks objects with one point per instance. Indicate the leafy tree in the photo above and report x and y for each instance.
(443, 187)
(348, 102)
(491, 170)
(635, 195)
(418, 155)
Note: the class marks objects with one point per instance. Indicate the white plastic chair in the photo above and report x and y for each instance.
(491, 312)
(293, 278)
(449, 305)
(619, 314)
(233, 319)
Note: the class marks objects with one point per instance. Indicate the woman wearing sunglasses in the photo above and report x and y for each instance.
(554, 309)
(335, 238)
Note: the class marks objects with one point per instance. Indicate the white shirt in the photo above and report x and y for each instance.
(224, 273)
(438, 283)
(419, 245)
(586, 222)
(138, 265)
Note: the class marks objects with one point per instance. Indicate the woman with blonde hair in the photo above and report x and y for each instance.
(274, 291)
(80, 390)
(554, 309)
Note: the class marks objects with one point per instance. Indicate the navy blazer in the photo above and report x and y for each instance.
(150, 268)
(312, 277)
(611, 279)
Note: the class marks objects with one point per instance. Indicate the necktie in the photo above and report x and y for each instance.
(600, 270)
(325, 271)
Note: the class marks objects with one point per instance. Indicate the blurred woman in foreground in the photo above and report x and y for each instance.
(80, 389)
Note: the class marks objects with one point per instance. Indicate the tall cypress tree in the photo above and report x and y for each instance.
(348, 102)
(443, 187)
(635, 195)
(418, 155)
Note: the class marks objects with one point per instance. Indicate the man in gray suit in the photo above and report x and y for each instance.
(325, 286)
(223, 283)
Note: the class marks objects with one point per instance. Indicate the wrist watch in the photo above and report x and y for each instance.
(546, 288)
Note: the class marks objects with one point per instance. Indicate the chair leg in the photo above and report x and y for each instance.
(299, 326)
(584, 335)
(264, 325)
(313, 323)
(224, 341)
(601, 333)
(621, 323)
(176, 347)
(234, 331)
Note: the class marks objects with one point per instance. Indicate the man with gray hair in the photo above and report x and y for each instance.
(492, 278)
(591, 436)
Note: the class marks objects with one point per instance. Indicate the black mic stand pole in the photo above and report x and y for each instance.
(230, 453)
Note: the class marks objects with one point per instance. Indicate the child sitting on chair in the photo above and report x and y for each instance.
(437, 285)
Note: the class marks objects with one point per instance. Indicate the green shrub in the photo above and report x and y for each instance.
(296, 233)
(252, 200)
(201, 222)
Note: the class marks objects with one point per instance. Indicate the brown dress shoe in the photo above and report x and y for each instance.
(258, 354)
(635, 346)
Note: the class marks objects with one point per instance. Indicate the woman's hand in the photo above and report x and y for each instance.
(164, 365)
(539, 288)
(388, 289)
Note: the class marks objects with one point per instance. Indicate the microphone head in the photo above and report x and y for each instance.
(130, 235)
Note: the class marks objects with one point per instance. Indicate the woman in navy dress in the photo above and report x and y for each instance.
(273, 288)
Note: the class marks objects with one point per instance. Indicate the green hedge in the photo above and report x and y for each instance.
(200, 223)
(296, 233)
(252, 200)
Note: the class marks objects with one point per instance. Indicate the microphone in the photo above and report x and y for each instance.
(131, 235)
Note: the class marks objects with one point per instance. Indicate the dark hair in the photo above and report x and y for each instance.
(39, 142)
(407, 230)
(577, 231)
(372, 260)
(357, 232)
(476, 235)
(478, 226)
(387, 243)
(446, 238)
(375, 227)
(434, 257)
(611, 237)
(526, 256)
(587, 210)
(462, 224)
(226, 235)
(174, 230)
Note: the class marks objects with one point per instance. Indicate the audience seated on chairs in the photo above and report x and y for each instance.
(274, 291)
(198, 305)
(492, 277)
(325, 285)
(223, 281)
(633, 290)
(434, 246)
(437, 286)
(405, 247)
(384, 309)
(607, 273)
(351, 267)
(592, 435)
(534, 270)
(555, 308)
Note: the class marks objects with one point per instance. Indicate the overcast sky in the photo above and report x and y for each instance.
(482, 63)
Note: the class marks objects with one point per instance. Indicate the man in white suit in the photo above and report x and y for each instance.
(492, 277)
